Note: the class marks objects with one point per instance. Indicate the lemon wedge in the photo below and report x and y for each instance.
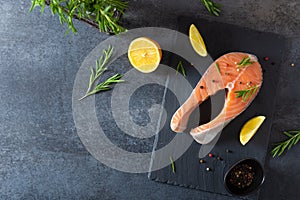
(197, 41)
(250, 128)
(144, 54)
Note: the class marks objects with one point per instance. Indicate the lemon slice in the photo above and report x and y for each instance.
(144, 54)
(250, 128)
(197, 41)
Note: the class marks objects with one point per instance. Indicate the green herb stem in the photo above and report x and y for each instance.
(294, 137)
(247, 93)
(172, 165)
(100, 13)
(218, 68)
(245, 61)
(181, 68)
(106, 85)
(212, 7)
(98, 71)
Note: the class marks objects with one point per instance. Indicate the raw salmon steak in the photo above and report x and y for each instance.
(240, 75)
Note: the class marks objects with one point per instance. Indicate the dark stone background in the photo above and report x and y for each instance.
(41, 154)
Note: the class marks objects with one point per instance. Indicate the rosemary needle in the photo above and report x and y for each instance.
(245, 61)
(172, 165)
(212, 7)
(247, 93)
(101, 13)
(96, 73)
(218, 68)
(180, 66)
(294, 137)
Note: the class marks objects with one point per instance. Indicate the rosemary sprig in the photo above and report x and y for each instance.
(294, 137)
(172, 165)
(245, 61)
(218, 68)
(247, 93)
(180, 66)
(212, 7)
(101, 13)
(96, 73)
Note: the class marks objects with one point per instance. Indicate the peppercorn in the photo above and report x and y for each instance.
(211, 155)
(292, 65)
(201, 87)
(240, 82)
(202, 161)
(266, 58)
(208, 169)
(228, 151)
(241, 176)
(219, 158)
(272, 63)
(213, 81)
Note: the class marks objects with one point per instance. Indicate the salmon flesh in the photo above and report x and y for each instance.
(240, 74)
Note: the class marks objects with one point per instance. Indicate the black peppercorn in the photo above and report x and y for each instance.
(241, 176)
(228, 151)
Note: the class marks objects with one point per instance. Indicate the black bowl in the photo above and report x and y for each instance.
(258, 178)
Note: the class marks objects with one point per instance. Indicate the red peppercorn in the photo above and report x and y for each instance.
(266, 58)
(211, 155)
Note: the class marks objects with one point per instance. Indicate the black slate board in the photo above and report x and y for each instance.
(220, 39)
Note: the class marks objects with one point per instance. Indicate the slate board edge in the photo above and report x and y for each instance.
(193, 187)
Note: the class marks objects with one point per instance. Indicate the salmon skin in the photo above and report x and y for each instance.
(240, 74)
